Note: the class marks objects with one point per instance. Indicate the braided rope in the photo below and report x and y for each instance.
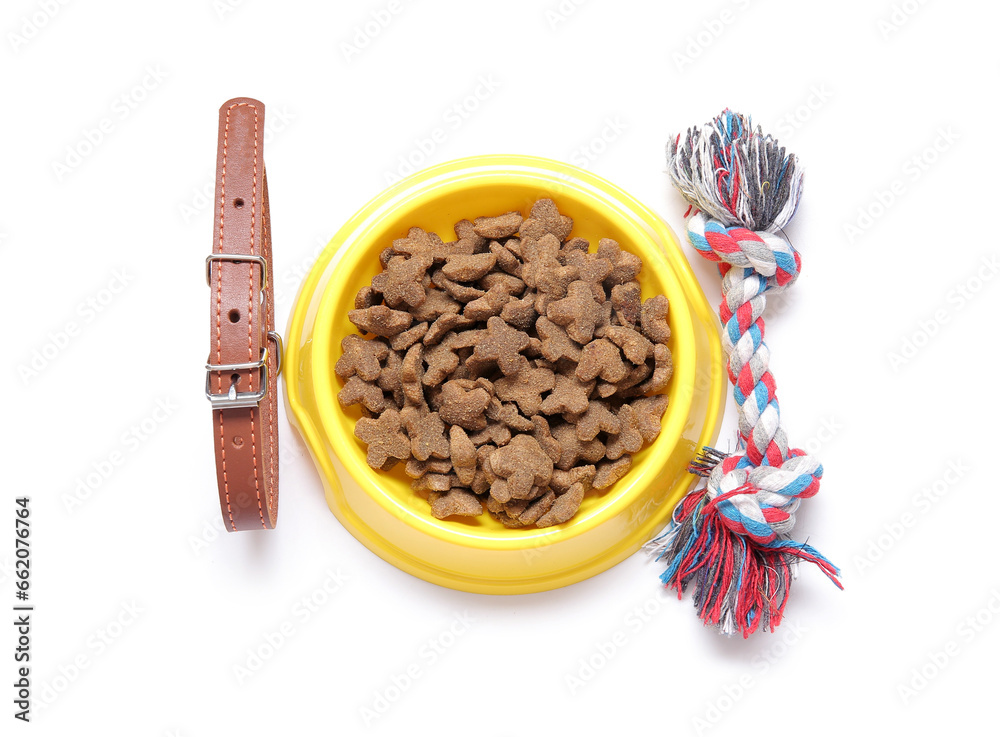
(730, 538)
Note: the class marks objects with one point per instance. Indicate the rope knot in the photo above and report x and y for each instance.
(759, 502)
(763, 253)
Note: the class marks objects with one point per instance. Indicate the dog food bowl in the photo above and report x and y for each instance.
(478, 554)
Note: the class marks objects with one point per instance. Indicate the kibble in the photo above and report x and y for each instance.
(509, 369)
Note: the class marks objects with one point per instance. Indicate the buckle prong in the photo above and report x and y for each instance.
(233, 399)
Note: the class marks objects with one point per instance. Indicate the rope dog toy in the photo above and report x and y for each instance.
(731, 537)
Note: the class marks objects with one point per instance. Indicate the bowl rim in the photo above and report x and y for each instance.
(655, 237)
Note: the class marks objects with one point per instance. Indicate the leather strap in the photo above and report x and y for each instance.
(245, 429)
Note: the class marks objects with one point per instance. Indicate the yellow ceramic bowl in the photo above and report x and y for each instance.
(479, 554)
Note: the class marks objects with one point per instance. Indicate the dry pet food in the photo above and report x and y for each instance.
(511, 370)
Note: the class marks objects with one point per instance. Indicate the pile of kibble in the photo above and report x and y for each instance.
(510, 368)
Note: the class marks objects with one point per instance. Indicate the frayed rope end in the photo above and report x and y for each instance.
(740, 585)
(735, 173)
(707, 459)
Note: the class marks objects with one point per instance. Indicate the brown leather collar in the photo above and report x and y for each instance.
(245, 355)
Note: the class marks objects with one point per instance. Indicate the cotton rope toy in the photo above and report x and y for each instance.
(731, 538)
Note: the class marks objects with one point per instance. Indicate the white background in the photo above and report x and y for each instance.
(873, 97)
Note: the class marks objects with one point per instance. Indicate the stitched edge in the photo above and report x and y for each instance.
(251, 297)
(273, 411)
(218, 318)
(270, 443)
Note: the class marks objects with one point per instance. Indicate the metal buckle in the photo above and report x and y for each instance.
(233, 399)
(237, 257)
(273, 335)
(210, 367)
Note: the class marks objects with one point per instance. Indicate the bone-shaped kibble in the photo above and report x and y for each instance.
(401, 282)
(545, 218)
(358, 391)
(523, 464)
(591, 269)
(384, 437)
(526, 388)
(578, 312)
(564, 508)
(361, 357)
(502, 344)
(601, 358)
(498, 227)
(380, 320)
(426, 432)
(625, 266)
(654, 319)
